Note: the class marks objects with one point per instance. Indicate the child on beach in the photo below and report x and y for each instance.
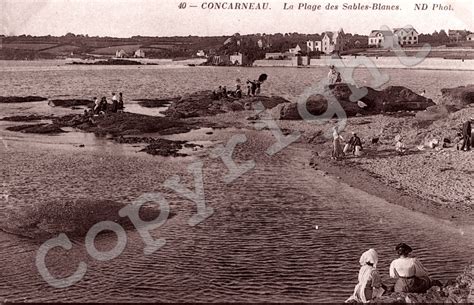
(370, 284)
(399, 146)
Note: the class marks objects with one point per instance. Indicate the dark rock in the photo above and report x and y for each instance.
(119, 62)
(202, 104)
(391, 99)
(155, 103)
(125, 123)
(166, 148)
(459, 97)
(397, 98)
(28, 118)
(37, 128)
(71, 103)
(159, 147)
(21, 99)
(72, 217)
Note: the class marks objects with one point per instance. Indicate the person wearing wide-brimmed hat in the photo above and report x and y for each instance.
(370, 284)
(410, 274)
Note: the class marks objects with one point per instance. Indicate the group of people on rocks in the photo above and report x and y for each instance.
(101, 106)
(253, 89)
(354, 146)
(408, 271)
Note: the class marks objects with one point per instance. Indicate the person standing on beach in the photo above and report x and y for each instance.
(466, 135)
(337, 152)
(370, 284)
(96, 109)
(114, 103)
(410, 274)
(332, 75)
(120, 102)
(103, 105)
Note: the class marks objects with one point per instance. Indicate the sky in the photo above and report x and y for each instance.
(126, 18)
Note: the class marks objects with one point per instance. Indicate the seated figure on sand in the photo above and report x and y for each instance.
(238, 92)
(410, 274)
(354, 146)
(370, 285)
(399, 146)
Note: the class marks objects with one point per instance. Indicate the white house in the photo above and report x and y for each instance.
(238, 59)
(313, 46)
(139, 53)
(470, 37)
(121, 54)
(331, 42)
(295, 50)
(201, 53)
(406, 36)
(377, 37)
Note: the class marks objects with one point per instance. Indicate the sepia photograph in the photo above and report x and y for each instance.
(278, 151)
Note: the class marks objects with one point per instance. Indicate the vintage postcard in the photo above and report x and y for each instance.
(199, 151)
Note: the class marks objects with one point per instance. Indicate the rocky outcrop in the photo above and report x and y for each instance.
(28, 118)
(459, 291)
(37, 128)
(126, 123)
(203, 104)
(159, 147)
(73, 217)
(391, 99)
(21, 99)
(71, 103)
(459, 97)
(108, 62)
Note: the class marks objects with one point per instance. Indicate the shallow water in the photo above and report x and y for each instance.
(261, 243)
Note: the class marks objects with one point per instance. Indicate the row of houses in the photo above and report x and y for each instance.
(460, 35)
(409, 36)
(402, 36)
(236, 59)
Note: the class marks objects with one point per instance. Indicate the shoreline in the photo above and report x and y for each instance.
(353, 174)
(367, 181)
